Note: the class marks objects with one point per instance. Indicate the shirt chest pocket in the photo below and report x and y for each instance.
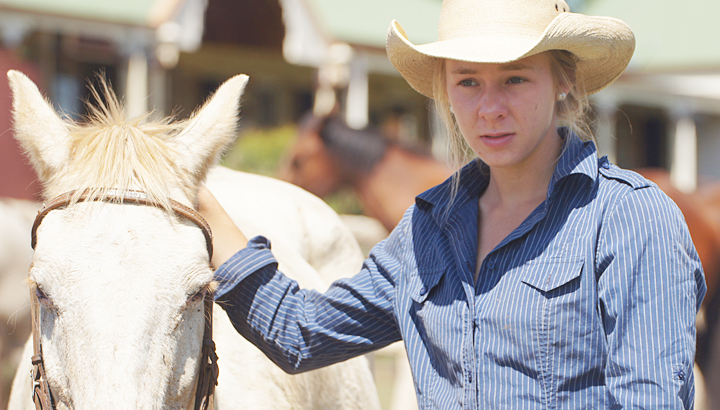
(559, 309)
(553, 277)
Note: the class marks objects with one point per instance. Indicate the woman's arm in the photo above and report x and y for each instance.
(650, 286)
(228, 239)
(301, 329)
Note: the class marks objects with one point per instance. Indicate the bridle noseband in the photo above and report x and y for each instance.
(208, 374)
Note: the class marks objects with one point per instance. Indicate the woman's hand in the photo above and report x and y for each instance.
(227, 237)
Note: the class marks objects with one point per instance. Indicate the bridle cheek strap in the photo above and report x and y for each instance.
(40, 389)
(208, 367)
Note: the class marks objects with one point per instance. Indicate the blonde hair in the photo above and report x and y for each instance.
(571, 112)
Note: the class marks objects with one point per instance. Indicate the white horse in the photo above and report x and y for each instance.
(121, 323)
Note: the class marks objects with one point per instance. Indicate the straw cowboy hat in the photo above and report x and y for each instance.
(501, 31)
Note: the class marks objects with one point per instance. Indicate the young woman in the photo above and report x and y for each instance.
(539, 275)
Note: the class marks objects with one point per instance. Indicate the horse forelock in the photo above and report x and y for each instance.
(111, 151)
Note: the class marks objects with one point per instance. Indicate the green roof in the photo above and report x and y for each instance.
(366, 22)
(670, 35)
(356, 22)
(132, 12)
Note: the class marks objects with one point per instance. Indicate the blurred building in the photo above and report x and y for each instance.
(169, 55)
(665, 110)
(60, 44)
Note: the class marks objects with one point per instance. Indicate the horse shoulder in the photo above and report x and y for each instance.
(20, 394)
(341, 386)
(395, 181)
(286, 213)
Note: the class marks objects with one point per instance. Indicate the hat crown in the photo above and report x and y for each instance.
(497, 18)
(501, 31)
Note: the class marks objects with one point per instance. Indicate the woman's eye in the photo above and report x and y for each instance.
(516, 80)
(467, 83)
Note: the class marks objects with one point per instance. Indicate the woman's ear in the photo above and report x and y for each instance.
(565, 89)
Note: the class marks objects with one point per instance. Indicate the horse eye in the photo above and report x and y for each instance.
(43, 297)
(197, 297)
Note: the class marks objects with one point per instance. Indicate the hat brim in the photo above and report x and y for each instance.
(603, 45)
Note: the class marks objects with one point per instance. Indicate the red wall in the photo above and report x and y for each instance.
(17, 178)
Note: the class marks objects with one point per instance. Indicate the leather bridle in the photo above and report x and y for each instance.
(208, 372)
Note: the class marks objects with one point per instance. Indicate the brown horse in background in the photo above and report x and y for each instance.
(385, 175)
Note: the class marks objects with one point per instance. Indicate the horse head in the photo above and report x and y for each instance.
(328, 154)
(384, 174)
(121, 287)
(309, 163)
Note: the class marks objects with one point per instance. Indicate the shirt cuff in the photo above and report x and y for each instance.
(245, 262)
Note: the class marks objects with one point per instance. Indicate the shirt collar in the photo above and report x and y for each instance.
(578, 158)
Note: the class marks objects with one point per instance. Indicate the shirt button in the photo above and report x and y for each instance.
(606, 165)
(681, 375)
(423, 290)
(491, 265)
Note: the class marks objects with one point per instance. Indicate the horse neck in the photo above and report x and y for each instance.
(390, 188)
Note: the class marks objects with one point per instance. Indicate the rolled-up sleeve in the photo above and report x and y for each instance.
(302, 329)
(650, 285)
(255, 256)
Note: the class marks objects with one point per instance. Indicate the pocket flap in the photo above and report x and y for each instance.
(550, 274)
(420, 285)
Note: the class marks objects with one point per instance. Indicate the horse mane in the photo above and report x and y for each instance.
(110, 151)
(358, 151)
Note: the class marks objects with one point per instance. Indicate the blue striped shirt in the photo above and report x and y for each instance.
(589, 303)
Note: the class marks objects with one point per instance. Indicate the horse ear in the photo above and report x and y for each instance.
(39, 129)
(212, 128)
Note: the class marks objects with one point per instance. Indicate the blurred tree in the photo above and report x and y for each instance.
(260, 151)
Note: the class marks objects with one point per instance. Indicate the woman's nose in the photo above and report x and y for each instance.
(491, 104)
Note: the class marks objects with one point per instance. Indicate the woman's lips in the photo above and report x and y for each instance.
(496, 139)
(496, 135)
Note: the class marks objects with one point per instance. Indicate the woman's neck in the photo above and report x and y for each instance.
(510, 189)
(528, 180)
(520, 185)
(512, 194)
